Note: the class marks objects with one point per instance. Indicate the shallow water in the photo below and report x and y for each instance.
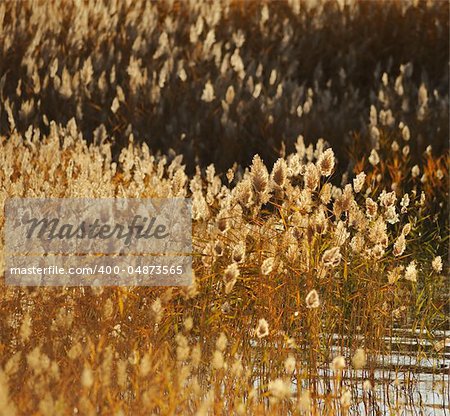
(413, 379)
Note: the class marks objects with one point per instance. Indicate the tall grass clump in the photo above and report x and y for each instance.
(246, 77)
(298, 283)
(312, 138)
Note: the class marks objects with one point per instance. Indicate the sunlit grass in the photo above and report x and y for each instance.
(321, 270)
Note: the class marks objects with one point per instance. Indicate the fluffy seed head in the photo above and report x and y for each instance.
(411, 272)
(399, 246)
(346, 399)
(259, 176)
(262, 329)
(279, 173)
(415, 171)
(217, 361)
(312, 299)
(289, 364)
(279, 389)
(331, 257)
(267, 266)
(367, 385)
(338, 363)
(358, 182)
(374, 159)
(208, 92)
(312, 177)
(221, 342)
(371, 208)
(359, 359)
(87, 378)
(325, 163)
(304, 402)
(437, 264)
(230, 277)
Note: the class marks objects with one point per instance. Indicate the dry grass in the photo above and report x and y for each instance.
(303, 275)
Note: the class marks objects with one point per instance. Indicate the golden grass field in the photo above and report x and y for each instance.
(312, 138)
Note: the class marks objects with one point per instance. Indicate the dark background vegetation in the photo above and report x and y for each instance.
(377, 38)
